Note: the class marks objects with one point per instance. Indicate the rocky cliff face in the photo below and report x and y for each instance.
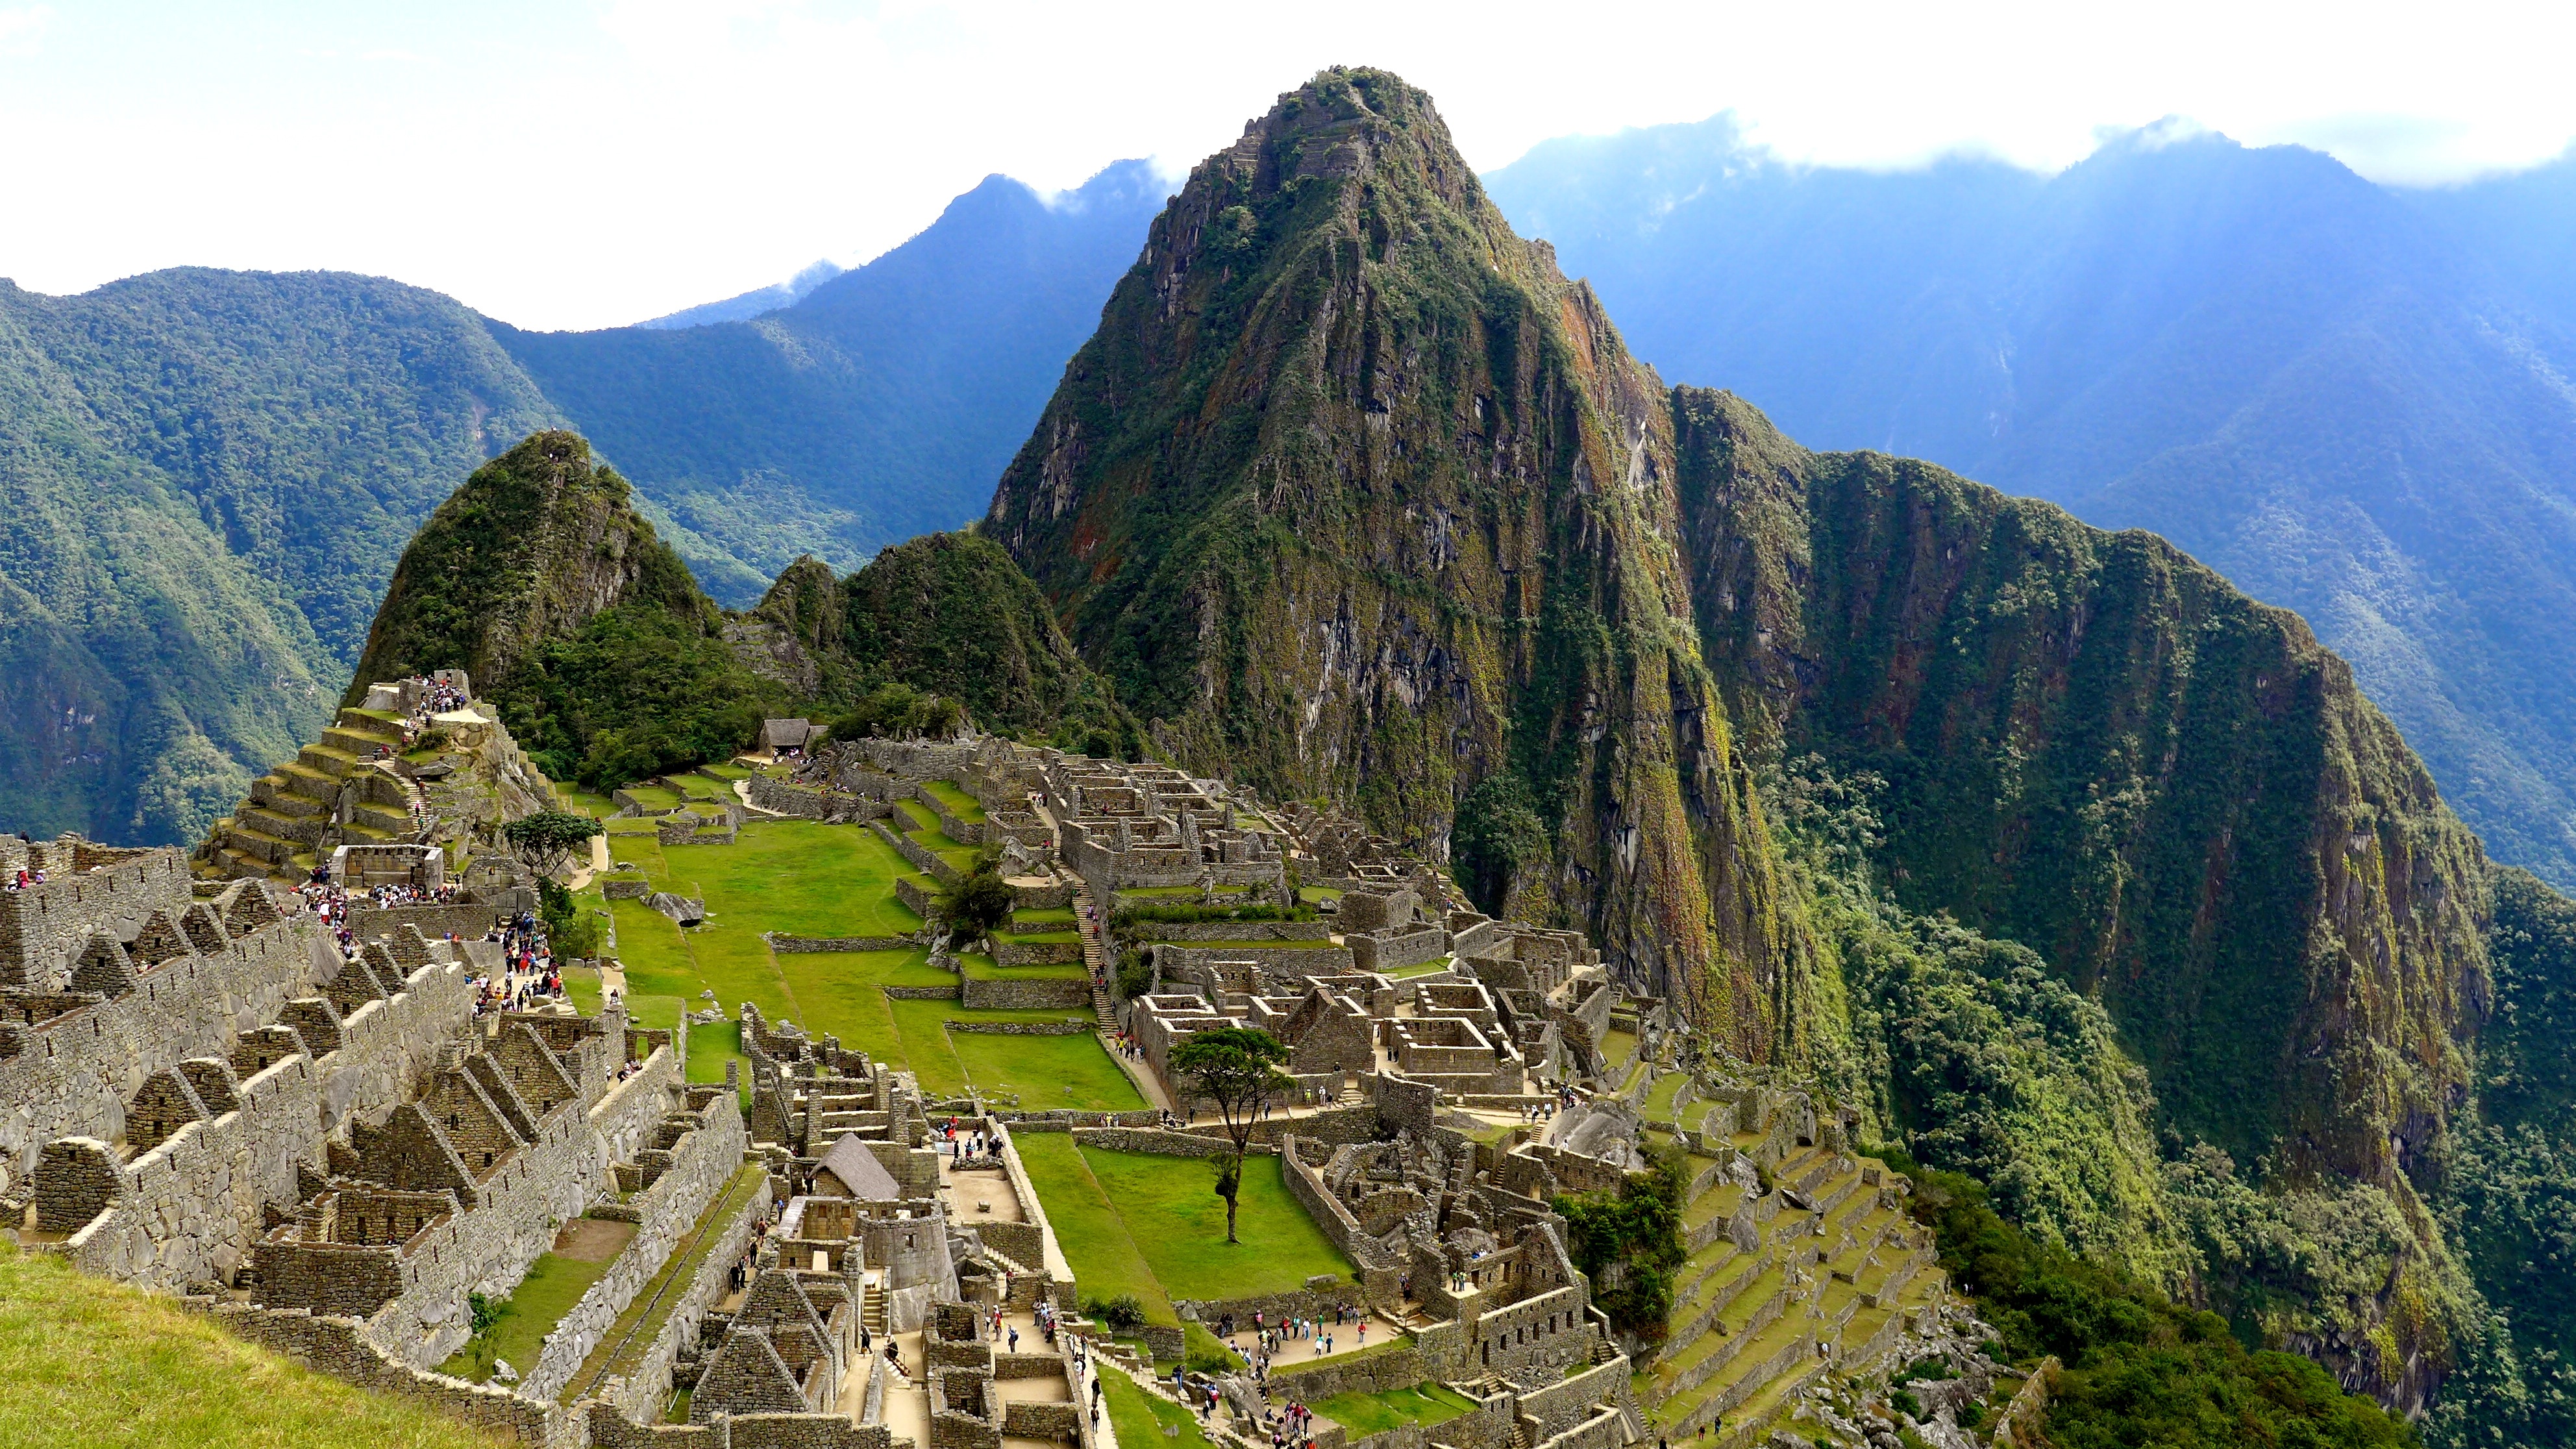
(537, 542)
(2096, 746)
(1354, 494)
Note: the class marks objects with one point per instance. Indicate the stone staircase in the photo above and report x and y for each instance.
(1095, 960)
(332, 793)
(1835, 1272)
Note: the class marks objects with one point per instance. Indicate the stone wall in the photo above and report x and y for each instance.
(779, 942)
(642, 1394)
(42, 928)
(1070, 1026)
(188, 1210)
(1372, 1370)
(611, 1430)
(73, 1075)
(1187, 931)
(542, 1184)
(1154, 1140)
(1297, 961)
(1036, 953)
(466, 922)
(702, 1161)
(1571, 1402)
(1394, 953)
(336, 1346)
(1035, 994)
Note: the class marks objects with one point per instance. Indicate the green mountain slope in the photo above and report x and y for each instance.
(946, 614)
(1353, 494)
(2151, 921)
(2349, 400)
(207, 475)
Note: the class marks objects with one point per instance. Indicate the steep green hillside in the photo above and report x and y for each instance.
(93, 1362)
(2095, 746)
(2349, 401)
(1354, 494)
(541, 580)
(2089, 875)
(946, 614)
(204, 478)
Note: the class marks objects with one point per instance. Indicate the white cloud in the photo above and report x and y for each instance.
(23, 30)
(581, 164)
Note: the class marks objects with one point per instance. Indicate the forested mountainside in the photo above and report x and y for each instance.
(2349, 400)
(945, 614)
(2093, 877)
(609, 664)
(208, 475)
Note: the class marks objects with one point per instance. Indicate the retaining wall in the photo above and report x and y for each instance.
(701, 1163)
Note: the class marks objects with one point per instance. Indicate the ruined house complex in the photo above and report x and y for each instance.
(332, 1154)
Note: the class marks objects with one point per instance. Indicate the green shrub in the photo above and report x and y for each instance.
(1121, 1315)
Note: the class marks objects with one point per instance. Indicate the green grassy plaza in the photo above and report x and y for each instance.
(802, 878)
(1363, 1414)
(1153, 1226)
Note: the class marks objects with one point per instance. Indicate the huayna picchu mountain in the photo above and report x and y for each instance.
(1355, 495)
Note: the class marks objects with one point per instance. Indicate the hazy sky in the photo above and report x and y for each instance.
(590, 162)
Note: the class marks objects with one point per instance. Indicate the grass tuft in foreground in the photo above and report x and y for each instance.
(93, 1362)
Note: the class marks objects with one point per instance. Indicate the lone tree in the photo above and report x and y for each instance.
(544, 841)
(980, 903)
(1237, 1067)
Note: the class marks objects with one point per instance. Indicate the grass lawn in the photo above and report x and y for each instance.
(1165, 893)
(94, 1362)
(921, 1029)
(553, 1285)
(1658, 1106)
(1105, 1260)
(577, 801)
(1364, 1414)
(960, 804)
(1047, 1071)
(1040, 917)
(958, 855)
(1143, 1419)
(921, 816)
(1317, 895)
(654, 797)
(710, 1047)
(1172, 1221)
(727, 771)
(1432, 967)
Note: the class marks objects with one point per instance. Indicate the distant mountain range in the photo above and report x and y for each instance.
(206, 477)
(2353, 401)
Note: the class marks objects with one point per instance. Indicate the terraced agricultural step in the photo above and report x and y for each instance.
(270, 850)
(278, 795)
(307, 782)
(386, 818)
(359, 722)
(302, 829)
(324, 760)
(359, 743)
